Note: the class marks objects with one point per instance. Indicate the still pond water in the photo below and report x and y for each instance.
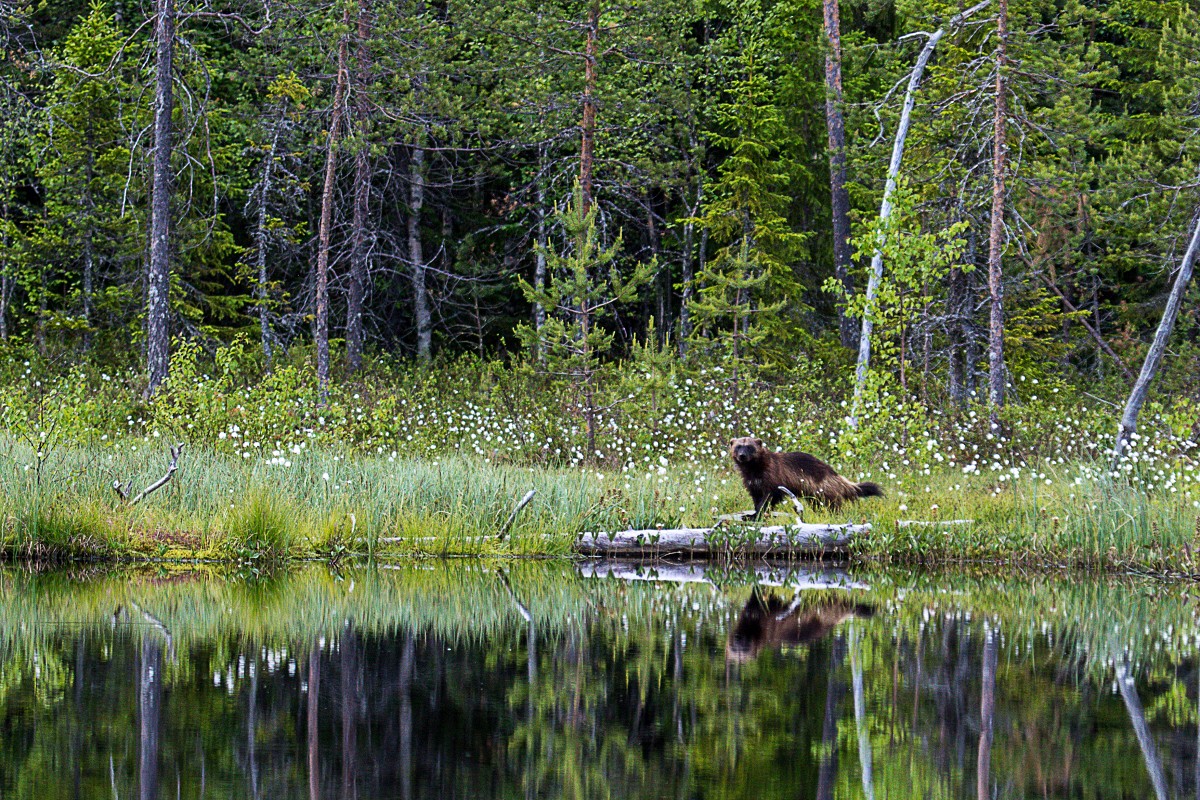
(547, 679)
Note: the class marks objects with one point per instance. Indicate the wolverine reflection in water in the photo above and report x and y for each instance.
(767, 622)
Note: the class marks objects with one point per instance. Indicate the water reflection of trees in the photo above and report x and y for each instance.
(626, 691)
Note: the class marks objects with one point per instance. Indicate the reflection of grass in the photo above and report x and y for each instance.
(330, 505)
(1095, 619)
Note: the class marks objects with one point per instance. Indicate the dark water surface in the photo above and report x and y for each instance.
(535, 679)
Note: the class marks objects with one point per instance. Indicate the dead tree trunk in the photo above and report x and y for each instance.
(323, 235)
(359, 245)
(89, 257)
(839, 196)
(996, 236)
(539, 267)
(416, 253)
(1133, 406)
(158, 273)
(260, 243)
(587, 148)
(885, 206)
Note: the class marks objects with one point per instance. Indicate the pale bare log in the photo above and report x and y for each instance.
(1154, 357)
(513, 516)
(123, 491)
(875, 275)
(772, 540)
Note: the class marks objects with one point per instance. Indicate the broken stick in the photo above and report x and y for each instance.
(123, 491)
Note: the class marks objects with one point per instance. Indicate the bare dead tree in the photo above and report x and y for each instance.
(839, 196)
(996, 236)
(885, 206)
(321, 333)
(1154, 357)
(123, 491)
(359, 236)
(587, 149)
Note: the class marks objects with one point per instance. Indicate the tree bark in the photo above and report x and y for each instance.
(158, 274)
(416, 253)
(689, 258)
(89, 257)
(996, 236)
(1141, 388)
(588, 126)
(885, 206)
(260, 244)
(360, 245)
(323, 235)
(539, 266)
(839, 196)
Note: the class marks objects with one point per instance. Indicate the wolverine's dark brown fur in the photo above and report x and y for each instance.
(763, 472)
(767, 622)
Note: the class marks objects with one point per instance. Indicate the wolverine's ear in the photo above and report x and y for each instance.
(759, 442)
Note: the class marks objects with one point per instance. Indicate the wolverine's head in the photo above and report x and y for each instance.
(747, 449)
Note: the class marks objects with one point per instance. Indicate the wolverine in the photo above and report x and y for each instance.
(804, 475)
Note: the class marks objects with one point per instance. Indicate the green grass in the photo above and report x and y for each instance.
(330, 505)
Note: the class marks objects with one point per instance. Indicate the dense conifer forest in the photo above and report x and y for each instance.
(997, 190)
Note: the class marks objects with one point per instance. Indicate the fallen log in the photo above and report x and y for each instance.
(798, 579)
(776, 540)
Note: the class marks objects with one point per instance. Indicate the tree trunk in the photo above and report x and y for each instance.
(839, 196)
(996, 236)
(89, 256)
(359, 248)
(689, 258)
(6, 282)
(322, 300)
(158, 274)
(1133, 406)
(588, 127)
(539, 266)
(957, 340)
(416, 253)
(885, 206)
(260, 244)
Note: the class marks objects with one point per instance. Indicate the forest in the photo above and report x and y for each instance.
(908, 236)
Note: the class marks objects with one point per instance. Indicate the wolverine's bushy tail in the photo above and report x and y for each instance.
(868, 489)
